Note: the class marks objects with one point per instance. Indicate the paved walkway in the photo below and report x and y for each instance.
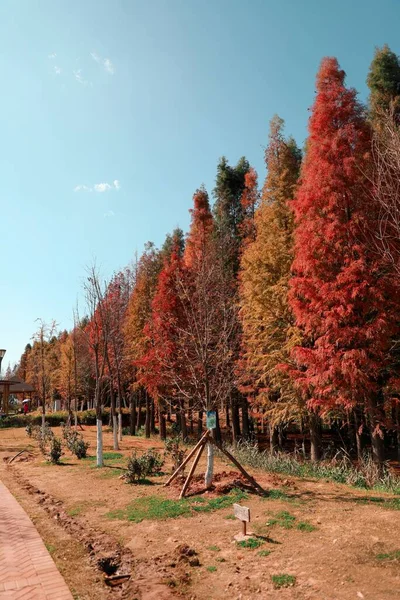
(27, 571)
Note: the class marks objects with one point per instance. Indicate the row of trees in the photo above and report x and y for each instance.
(282, 300)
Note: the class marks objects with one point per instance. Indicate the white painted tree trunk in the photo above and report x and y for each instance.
(120, 426)
(115, 433)
(99, 437)
(210, 465)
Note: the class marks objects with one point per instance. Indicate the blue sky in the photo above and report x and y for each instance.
(114, 111)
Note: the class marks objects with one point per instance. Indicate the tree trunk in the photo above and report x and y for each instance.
(273, 439)
(200, 424)
(228, 421)
(152, 416)
(183, 421)
(132, 415)
(376, 416)
(398, 429)
(210, 465)
(191, 421)
(113, 416)
(163, 426)
(245, 419)
(315, 437)
(99, 439)
(147, 423)
(115, 432)
(358, 438)
(139, 411)
(235, 421)
(119, 419)
(217, 431)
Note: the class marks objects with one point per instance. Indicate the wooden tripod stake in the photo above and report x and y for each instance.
(201, 444)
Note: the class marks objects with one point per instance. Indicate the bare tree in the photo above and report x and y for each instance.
(386, 187)
(97, 334)
(194, 333)
(41, 340)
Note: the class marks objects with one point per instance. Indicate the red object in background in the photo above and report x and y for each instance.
(26, 407)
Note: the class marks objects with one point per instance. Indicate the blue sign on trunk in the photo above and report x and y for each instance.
(211, 419)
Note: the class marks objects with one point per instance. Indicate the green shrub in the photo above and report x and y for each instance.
(250, 543)
(283, 580)
(80, 448)
(55, 450)
(140, 466)
(173, 449)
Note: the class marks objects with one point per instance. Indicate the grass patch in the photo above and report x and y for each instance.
(230, 517)
(110, 473)
(155, 508)
(395, 555)
(211, 569)
(304, 526)
(287, 521)
(282, 580)
(50, 548)
(339, 470)
(283, 519)
(75, 510)
(264, 553)
(389, 503)
(251, 543)
(276, 495)
(214, 548)
(111, 456)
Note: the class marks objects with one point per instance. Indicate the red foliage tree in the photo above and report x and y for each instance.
(340, 292)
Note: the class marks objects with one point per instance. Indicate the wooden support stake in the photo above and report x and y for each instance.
(189, 456)
(192, 469)
(241, 469)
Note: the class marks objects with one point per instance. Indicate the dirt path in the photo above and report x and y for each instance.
(325, 541)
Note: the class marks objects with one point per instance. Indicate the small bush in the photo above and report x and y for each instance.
(283, 580)
(173, 449)
(80, 448)
(55, 450)
(395, 555)
(140, 466)
(44, 436)
(75, 442)
(304, 526)
(250, 543)
(264, 553)
(29, 430)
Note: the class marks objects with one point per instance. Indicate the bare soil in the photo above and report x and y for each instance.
(335, 540)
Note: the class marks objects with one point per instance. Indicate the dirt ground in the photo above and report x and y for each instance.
(337, 543)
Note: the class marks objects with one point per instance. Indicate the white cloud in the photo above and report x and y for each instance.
(109, 213)
(106, 62)
(95, 57)
(109, 67)
(82, 188)
(98, 187)
(102, 187)
(79, 77)
(52, 56)
(57, 70)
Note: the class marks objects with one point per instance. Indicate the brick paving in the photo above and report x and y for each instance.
(27, 571)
